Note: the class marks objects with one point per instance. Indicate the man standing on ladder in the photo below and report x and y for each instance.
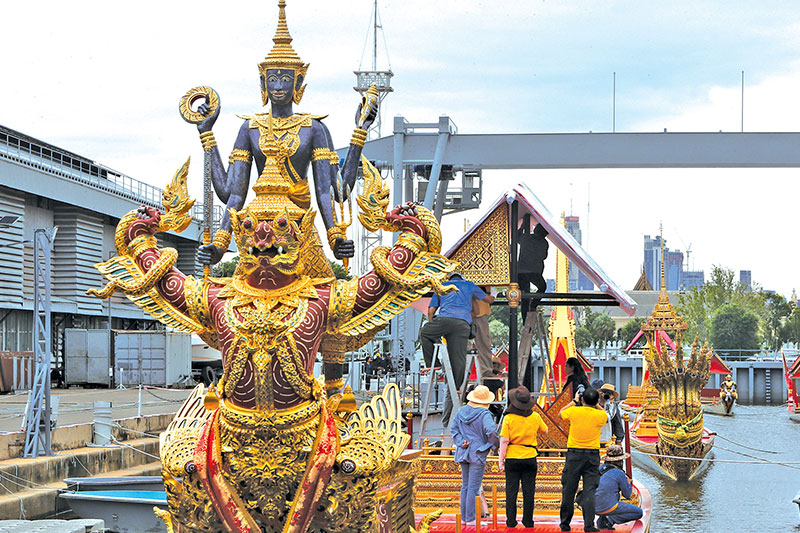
(454, 323)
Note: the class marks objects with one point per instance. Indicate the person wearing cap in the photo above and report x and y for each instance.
(518, 452)
(608, 401)
(453, 323)
(474, 435)
(613, 482)
(583, 457)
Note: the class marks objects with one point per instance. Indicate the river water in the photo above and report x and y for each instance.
(735, 497)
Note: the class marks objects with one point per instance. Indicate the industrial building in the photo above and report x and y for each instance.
(43, 187)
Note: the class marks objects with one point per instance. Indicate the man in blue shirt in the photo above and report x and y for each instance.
(613, 482)
(453, 323)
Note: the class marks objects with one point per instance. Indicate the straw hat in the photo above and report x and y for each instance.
(481, 394)
(608, 387)
(615, 453)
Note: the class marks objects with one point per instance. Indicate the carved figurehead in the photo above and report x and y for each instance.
(266, 449)
(679, 382)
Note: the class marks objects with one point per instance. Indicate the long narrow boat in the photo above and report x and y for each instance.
(792, 376)
(668, 434)
(723, 400)
(483, 254)
(438, 485)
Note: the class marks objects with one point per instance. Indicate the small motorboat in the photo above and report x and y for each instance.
(123, 511)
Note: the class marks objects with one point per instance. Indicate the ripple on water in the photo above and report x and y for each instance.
(730, 497)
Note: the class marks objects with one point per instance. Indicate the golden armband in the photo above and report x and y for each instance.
(208, 140)
(222, 239)
(335, 233)
(239, 155)
(320, 154)
(412, 242)
(141, 243)
(359, 137)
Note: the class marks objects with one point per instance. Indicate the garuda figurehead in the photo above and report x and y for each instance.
(272, 235)
(282, 72)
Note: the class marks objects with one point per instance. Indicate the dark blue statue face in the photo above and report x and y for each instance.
(280, 86)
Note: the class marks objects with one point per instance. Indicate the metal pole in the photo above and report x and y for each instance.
(614, 106)
(742, 101)
(628, 467)
(375, 38)
(436, 169)
(513, 363)
(139, 403)
(37, 431)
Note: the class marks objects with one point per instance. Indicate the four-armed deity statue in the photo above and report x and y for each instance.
(267, 449)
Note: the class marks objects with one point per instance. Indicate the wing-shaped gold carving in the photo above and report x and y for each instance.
(373, 200)
(373, 438)
(176, 201)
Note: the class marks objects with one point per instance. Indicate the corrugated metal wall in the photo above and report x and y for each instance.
(12, 251)
(78, 247)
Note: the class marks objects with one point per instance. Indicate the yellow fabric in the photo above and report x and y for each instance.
(521, 430)
(480, 308)
(300, 194)
(584, 426)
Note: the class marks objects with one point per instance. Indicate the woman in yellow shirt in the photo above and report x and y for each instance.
(518, 441)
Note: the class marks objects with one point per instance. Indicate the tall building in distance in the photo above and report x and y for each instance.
(676, 277)
(746, 278)
(578, 281)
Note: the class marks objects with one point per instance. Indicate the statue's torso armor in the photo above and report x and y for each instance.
(292, 135)
(269, 345)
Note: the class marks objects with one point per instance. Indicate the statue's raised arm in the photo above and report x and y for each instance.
(297, 141)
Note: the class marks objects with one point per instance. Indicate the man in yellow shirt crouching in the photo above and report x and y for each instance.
(583, 457)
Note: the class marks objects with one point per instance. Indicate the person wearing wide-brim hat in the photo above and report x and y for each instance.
(518, 452)
(613, 481)
(474, 434)
(608, 401)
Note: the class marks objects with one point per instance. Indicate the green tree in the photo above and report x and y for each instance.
(629, 330)
(790, 331)
(734, 328)
(600, 326)
(225, 269)
(583, 338)
(339, 271)
(498, 331)
(698, 305)
(775, 312)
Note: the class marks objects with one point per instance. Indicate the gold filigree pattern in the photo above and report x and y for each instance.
(483, 256)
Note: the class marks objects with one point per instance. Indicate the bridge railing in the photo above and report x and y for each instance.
(51, 161)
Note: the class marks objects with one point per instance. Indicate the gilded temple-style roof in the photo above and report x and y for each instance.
(482, 250)
(643, 284)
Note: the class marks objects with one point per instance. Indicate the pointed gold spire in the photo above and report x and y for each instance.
(664, 316)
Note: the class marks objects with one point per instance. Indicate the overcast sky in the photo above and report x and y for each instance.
(103, 79)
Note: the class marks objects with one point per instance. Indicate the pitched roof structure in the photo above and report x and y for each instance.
(482, 250)
(643, 284)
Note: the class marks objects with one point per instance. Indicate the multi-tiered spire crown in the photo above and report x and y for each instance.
(282, 55)
(664, 317)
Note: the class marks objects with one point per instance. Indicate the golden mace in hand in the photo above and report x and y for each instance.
(191, 116)
(342, 219)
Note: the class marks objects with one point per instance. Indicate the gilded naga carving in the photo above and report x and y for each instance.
(678, 381)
